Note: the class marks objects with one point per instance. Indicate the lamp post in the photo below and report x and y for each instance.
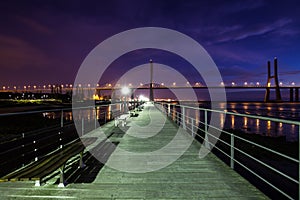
(125, 91)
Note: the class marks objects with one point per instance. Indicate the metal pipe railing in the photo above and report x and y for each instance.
(193, 128)
(56, 130)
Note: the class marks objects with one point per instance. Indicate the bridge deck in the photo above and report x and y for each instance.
(189, 177)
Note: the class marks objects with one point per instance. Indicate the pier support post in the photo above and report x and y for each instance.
(297, 94)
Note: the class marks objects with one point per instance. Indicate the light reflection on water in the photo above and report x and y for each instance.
(101, 113)
(257, 126)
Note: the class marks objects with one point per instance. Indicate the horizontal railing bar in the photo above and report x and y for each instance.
(261, 178)
(245, 115)
(249, 170)
(258, 145)
(53, 110)
(266, 165)
(187, 118)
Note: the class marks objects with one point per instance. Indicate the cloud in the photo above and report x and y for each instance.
(240, 6)
(34, 25)
(16, 53)
(241, 32)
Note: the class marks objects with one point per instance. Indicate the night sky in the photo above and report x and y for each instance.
(45, 42)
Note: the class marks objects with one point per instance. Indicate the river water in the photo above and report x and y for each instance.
(284, 111)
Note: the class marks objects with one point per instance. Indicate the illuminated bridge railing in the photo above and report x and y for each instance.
(272, 168)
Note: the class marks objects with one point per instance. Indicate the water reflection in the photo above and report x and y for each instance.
(90, 114)
(253, 125)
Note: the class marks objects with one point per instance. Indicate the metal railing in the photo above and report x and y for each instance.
(28, 136)
(241, 151)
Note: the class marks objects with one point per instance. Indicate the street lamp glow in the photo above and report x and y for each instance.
(125, 90)
(143, 98)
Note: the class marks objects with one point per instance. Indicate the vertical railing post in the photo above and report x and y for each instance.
(35, 150)
(105, 113)
(206, 141)
(232, 151)
(82, 126)
(95, 118)
(192, 128)
(23, 152)
(60, 140)
(183, 118)
(62, 119)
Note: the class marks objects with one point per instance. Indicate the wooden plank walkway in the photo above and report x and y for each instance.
(189, 177)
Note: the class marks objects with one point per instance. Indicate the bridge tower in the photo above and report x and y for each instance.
(151, 97)
(275, 77)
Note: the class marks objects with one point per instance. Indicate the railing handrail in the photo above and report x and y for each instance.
(286, 121)
(183, 119)
(55, 110)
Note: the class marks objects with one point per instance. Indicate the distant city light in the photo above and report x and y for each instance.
(233, 83)
(222, 84)
(245, 83)
(293, 83)
(257, 83)
(280, 83)
(174, 84)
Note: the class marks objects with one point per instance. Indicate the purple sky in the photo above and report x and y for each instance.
(44, 42)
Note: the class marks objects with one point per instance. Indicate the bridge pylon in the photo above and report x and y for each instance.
(275, 77)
